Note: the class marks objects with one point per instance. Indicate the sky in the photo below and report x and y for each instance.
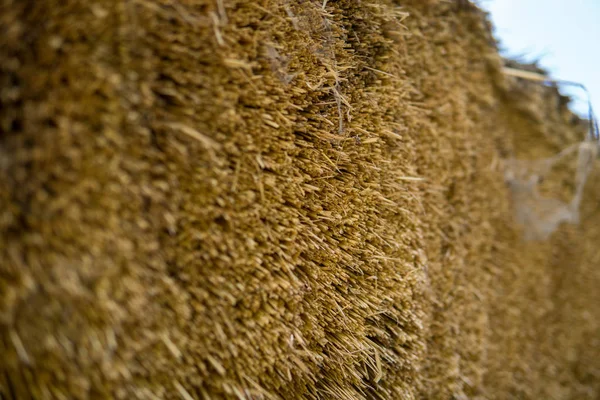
(563, 34)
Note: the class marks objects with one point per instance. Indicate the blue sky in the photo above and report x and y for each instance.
(563, 34)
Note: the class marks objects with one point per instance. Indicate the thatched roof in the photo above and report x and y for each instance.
(280, 199)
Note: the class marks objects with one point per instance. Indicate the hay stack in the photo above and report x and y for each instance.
(279, 199)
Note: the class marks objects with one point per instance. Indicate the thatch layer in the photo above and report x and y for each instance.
(280, 199)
